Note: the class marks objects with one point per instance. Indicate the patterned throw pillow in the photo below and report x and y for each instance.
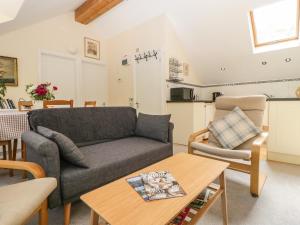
(233, 129)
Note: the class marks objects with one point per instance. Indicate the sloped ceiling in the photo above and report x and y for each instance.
(33, 11)
(215, 34)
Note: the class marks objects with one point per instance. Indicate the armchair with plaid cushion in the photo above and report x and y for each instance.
(247, 155)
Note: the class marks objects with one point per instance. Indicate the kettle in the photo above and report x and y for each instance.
(216, 94)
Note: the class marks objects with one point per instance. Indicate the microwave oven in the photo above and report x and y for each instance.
(182, 94)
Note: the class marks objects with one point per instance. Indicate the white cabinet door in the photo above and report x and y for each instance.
(94, 83)
(284, 124)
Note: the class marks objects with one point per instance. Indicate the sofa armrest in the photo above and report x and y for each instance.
(45, 153)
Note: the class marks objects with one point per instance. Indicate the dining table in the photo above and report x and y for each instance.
(12, 124)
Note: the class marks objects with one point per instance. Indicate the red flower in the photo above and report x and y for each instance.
(55, 88)
(41, 90)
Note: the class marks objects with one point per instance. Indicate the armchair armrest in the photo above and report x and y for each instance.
(194, 136)
(32, 168)
(258, 142)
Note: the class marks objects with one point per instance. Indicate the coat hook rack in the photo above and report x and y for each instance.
(146, 55)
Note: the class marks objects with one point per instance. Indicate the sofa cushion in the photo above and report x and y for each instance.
(68, 150)
(86, 125)
(153, 126)
(110, 161)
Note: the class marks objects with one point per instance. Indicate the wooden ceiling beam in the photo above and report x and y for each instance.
(91, 9)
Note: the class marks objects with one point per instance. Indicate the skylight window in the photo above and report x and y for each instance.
(275, 23)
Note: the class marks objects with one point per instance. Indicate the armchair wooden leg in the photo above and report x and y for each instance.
(257, 179)
(67, 213)
(43, 214)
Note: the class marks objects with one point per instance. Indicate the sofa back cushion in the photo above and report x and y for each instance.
(153, 126)
(86, 126)
(67, 149)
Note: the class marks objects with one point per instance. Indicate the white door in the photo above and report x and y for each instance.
(149, 85)
(60, 71)
(94, 82)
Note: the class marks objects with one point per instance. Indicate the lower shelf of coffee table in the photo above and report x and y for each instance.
(195, 214)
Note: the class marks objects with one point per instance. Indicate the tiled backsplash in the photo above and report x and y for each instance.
(274, 88)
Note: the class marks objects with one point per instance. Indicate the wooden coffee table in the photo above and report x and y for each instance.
(118, 203)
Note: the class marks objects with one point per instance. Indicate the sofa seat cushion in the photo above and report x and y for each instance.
(110, 161)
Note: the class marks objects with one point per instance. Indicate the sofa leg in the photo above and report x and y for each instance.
(67, 213)
(43, 214)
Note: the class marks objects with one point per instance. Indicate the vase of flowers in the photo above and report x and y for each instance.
(41, 92)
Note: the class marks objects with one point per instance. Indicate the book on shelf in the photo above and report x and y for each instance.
(186, 215)
(7, 104)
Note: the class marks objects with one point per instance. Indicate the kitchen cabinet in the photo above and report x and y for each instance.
(189, 117)
(284, 131)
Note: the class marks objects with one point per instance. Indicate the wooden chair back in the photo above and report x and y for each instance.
(90, 104)
(24, 106)
(52, 103)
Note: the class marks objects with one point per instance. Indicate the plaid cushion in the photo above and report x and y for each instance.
(233, 129)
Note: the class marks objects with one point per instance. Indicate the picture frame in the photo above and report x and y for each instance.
(91, 48)
(9, 70)
(186, 69)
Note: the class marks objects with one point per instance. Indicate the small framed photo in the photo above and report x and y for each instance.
(91, 48)
(9, 70)
(186, 69)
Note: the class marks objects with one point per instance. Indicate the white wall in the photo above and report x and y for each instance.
(157, 34)
(60, 34)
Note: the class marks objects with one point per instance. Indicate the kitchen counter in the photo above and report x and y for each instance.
(283, 99)
(195, 101)
(210, 101)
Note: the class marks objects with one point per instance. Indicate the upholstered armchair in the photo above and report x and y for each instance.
(246, 157)
(19, 202)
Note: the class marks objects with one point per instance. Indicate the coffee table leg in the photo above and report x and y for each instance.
(224, 198)
(94, 220)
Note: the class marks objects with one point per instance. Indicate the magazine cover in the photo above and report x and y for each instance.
(161, 185)
(137, 184)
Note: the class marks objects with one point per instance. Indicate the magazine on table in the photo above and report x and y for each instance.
(161, 185)
(156, 185)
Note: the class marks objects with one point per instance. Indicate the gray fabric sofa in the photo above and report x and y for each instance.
(106, 137)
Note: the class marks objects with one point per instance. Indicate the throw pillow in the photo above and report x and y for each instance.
(233, 129)
(67, 149)
(153, 126)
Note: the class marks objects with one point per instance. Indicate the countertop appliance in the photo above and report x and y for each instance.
(182, 94)
(216, 94)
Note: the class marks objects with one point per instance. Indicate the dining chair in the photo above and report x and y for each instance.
(7, 154)
(52, 103)
(25, 106)
(246, 157)
(90, 104)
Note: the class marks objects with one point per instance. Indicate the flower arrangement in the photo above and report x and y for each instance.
(2, 90)
(41, 92)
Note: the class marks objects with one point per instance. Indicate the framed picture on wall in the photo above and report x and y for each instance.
(91, 48)
(9, 70)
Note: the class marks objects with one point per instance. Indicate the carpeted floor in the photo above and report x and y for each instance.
(279, 203)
